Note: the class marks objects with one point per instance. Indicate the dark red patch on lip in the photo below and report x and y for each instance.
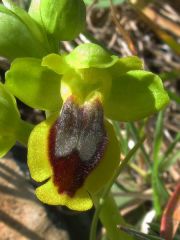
(77, 142)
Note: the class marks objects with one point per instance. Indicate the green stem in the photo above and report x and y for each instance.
(110, 218)
(106, 207)
(23, 132)
(140, 171)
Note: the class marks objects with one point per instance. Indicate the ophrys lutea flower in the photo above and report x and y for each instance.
(75, 151)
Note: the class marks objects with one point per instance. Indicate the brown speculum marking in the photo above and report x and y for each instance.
(77, 142)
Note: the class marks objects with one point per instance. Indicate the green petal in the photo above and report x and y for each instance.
(6, 143)
(38, 156)
(9, 115)
(126, 64)
(33, 84)
(107, 165)
(135, 95)
(90, 55)
(48, 193)
(17, 39)
(56, 63)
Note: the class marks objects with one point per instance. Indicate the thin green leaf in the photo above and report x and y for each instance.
(104, 3)
(158, 137)
(174, 97)
(135, 133)
(173, 75)
(139, 235)
(108, 187)
(165, 158)
(170, 161)
(122, 141)
(160, 194)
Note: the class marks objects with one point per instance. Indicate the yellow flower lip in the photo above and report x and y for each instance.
(77, 141)
(75, 153)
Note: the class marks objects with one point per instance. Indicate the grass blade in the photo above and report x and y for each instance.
(138, 235)
(136, 136)
(105, 194)
(165, 160)
(160, 194)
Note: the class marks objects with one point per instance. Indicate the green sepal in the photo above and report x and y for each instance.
(34, 85)
(126, 64)
(90, 55)
(20, 35)
(9, 120)
(64, 19)
(135, 95)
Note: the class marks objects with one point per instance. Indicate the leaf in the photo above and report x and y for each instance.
(17, 39)
(63, 20)
(105, 199)
(6, 143)
(33, 84)
(168, 158)
(9, 114)
(174, 97)
(138, 235)
(122, 141)
(160, 194)
(9, 120)
(136, 136)
(35, 29)
(104, 3)
(135, 95)
(171, 160)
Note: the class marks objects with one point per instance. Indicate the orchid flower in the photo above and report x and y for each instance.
(74, 152)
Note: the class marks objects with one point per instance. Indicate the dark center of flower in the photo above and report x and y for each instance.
(77, 143)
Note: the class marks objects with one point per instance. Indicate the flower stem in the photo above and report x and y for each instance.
(110, 218)
(23, 132)
(106, 207)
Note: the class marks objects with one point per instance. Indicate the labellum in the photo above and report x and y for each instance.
(76, 144)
